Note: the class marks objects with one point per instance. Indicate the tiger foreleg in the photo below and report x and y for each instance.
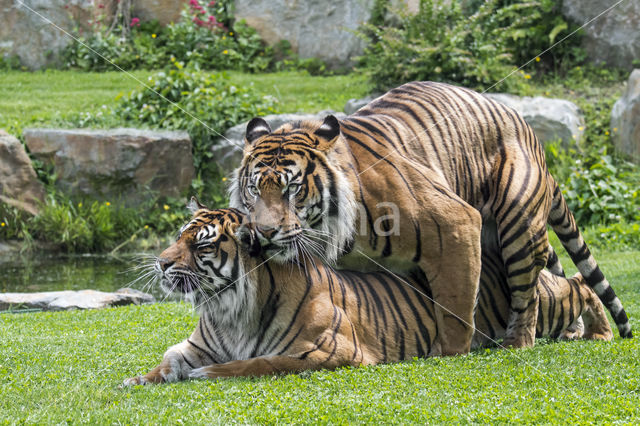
(452, 266)
(177, 363)
(264, 366)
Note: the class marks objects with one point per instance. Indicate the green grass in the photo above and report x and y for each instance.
(40, 98)
(66, 366)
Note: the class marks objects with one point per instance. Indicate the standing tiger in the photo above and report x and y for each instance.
(263, 317)
(440, 160)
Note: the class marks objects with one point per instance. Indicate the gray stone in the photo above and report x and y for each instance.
(353, 105)
(37, 36)
(64, 300)
(625, 119)
(164, 11)
(227, 152)
(612, 38)
(315, 29)
(116, 164)
(551, 119)
(19, 185)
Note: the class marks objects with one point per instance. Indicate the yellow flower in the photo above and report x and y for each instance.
(225, 52)
(546, 93)
(224, 179)
(606, 132)
(79, 204)
(615, 129)
(231, 33)
(166, 207)
(224, 37)
(3, 224)
(581, 128)
(527, 76)
(146, 227)
(108, 203)
(153, 36)
(537, 58)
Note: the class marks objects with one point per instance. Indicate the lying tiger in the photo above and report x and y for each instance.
(261, 317)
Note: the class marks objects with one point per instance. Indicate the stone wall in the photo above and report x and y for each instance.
(614, 37)
(315, 29)
(27, 34)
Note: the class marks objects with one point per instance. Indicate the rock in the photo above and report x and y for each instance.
(612, 38)
(227, 152)
(315, 29)
(353, 105)
(164, 11)
(19, 185)
(551, 119)
(63, 300)
(115, 164)
(30, 35)
(625, 119)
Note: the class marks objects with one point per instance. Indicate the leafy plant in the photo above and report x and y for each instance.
(203, 104)
(476, 46)
(206, 34)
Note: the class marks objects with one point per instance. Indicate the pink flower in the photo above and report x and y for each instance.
(212, 3)
(194, 3)
(135, 22)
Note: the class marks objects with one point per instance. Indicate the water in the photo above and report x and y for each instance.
(53, 273)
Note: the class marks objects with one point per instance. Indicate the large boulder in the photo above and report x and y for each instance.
(19, 185)
(69, 299)
(551, 119)
(625, 119)
(115, 164)
(34, 30)
(613, 37)
(227, 152)
(315, 29)
(163, 11)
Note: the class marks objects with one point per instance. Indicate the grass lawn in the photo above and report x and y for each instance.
(38, 98)
(66, 366)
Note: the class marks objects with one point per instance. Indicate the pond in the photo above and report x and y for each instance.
(53, 273)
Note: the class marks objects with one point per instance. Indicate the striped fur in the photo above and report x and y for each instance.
(263, 317)
(446, 159)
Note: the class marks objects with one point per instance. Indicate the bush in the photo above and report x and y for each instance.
(203, 104)
(599, 184)
(475, 47)
(205, 34)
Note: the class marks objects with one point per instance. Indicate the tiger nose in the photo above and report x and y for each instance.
(164, 264)
(267, 231)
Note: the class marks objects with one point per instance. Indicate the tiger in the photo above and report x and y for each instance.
(262, 317)
(408, 181)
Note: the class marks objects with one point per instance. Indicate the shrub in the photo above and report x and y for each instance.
(476, 46)
(203, 104)
(599, 184)
(205, 34)
(83, 226)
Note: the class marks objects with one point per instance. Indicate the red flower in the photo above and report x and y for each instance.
(212, 3)
(135, 22)
(101, 6)
(194, 3)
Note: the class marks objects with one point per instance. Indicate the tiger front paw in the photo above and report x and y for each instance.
(134, 381)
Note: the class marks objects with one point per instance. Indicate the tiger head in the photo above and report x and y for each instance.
(292, 186)
(207, 261)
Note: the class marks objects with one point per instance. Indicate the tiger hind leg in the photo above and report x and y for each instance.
(520, 207)
(576, 330)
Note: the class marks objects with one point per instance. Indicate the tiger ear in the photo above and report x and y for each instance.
(327, 133)
(256, 128)
(248, 240)
(194, 205)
